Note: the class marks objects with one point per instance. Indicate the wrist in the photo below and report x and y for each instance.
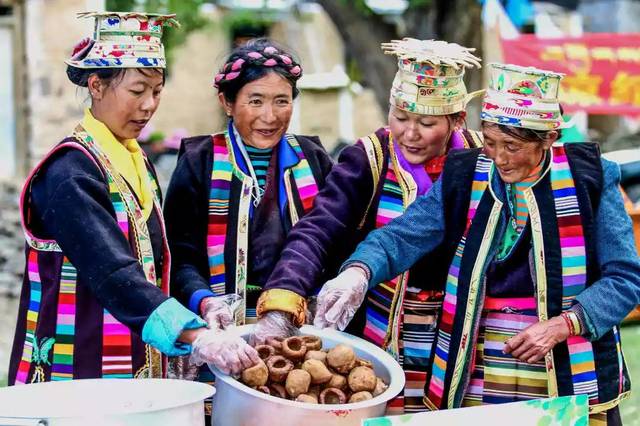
(569, 321)
(203, 305)
(188, 336)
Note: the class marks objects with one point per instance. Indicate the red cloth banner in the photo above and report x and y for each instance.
(602, 70)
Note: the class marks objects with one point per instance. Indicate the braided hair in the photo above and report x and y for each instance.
(252, 61)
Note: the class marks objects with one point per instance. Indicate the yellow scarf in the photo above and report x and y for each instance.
(126, 157)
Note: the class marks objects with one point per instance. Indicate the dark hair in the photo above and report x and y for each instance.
(247, 63)
(109, 76)
(522, 133)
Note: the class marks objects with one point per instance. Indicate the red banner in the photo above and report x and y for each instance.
(602, 70)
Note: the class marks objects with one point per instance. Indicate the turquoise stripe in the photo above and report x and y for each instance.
(580, 357)
(574, 261)
(66, 329)
(217, 259)
(391, 206)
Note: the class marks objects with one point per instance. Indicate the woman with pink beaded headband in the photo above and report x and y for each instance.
(226, 230)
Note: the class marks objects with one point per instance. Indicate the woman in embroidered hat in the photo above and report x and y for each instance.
(94, 302)
(374, 181)
(235, 195)
(539, 259)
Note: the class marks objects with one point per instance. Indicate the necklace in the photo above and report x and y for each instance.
(256, 192)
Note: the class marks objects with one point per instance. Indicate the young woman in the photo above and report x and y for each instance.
(541, 263)
(375, 181)
(94, 301)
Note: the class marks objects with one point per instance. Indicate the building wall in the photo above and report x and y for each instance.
(55, 104)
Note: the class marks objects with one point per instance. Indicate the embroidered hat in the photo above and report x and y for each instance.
(123, 40)
(430, 77)
(523, 97)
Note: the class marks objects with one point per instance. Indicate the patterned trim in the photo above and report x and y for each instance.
(63, 349)
(574, 269)
(435, 393)
(303, 177)
(373, 149)
(223, 169)
(33, 312)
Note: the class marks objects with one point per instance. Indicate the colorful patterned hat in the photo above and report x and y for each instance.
(123, 40)
(523, 97)
(430, 78)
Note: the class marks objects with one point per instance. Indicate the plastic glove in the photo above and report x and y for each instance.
(340, 298)
(273, 324)
(225, 349)
(218, 311)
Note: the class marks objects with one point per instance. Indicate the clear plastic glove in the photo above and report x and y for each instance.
(225, 349)
(218, 311)
(273, 324)
(340, 298)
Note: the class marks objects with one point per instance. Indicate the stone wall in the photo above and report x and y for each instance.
(55, 104)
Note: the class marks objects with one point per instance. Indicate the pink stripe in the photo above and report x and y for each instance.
(559, 158)
(66, 319)
(307, 191)
(33, 267)
(571, 242)
(221, 150)
(436, 385)
(214, 240)
(66, 309)
(214, 250)
(578, 344)
(21, 377)
(573, 251)
(374, 333)
(34, 276)
(114, 329)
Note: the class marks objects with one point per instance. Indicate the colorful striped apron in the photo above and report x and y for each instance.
(516, 380)
(116, 337)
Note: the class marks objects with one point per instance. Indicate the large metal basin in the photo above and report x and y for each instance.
(235, 404)
(105, 402)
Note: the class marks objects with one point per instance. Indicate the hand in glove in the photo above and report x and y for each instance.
(217, 312)
(273, 324)
(340, 298)
(225, 349)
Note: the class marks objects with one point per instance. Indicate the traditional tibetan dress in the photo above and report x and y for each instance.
(496, 286)
(94, 301)
(370, 186)
(223, 238)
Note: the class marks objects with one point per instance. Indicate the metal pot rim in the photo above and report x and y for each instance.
(396, 373)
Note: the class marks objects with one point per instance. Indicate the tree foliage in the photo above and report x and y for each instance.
(187, 12)
(455, 21)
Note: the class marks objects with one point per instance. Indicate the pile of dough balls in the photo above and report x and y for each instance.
(297, 368)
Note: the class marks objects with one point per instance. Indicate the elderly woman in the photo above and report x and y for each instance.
(94, 302)
(541, 262)
(374, 182)
(235, 195)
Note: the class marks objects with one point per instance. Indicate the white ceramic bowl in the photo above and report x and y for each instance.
(235, 404)
(105, 402)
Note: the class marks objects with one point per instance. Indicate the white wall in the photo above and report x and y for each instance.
(7, 110)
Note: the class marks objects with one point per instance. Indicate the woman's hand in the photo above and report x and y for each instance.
(273, 324)
(535, 341)
(340, 298)
(225, 349)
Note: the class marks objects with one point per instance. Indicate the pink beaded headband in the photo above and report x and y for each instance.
(270, 57)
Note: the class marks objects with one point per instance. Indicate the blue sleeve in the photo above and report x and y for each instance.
(607, 301)
(394, 248)
(165, 324)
